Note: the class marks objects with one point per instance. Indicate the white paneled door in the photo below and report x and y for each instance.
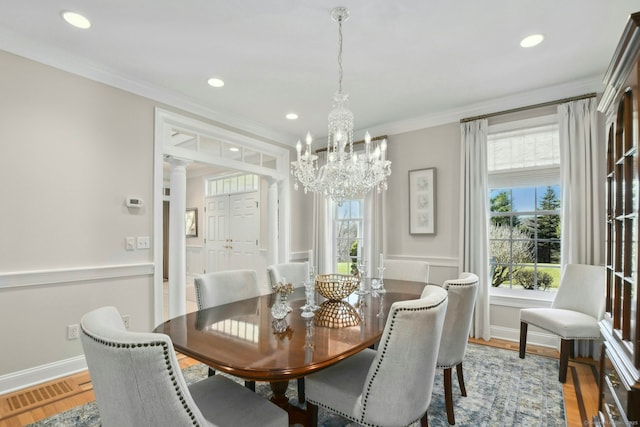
(232, 231)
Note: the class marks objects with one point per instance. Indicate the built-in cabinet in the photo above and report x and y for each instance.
(620, 362)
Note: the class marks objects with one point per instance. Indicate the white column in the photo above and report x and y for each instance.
(177, 241)
(272, 220)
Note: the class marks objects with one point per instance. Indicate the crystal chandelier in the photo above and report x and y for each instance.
(345, 174)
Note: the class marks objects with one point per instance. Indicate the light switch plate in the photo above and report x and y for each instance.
(143, 242)
(130, 243)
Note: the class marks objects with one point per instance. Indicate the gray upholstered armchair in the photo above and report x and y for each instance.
(455, 333)
(138, 382)
(574, 314)
(224, 287)
(390, 386)
(296, 273)
(417, 271)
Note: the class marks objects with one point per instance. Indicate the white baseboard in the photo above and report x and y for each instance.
(533, 338)
(40, 374)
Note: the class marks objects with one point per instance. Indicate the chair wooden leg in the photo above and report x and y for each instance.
(251, 385)
(301, 396)
(312, 415)
(463, 390)
(523, 338)
(424, 421)
(565, 350)
(448, 397)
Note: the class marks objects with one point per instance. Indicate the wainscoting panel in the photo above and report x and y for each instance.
(194, 260)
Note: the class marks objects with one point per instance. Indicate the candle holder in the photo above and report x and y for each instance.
(362, 270)
(310, 306)
(280, 307)
(380, 286)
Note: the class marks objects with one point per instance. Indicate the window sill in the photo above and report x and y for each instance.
(520, 298)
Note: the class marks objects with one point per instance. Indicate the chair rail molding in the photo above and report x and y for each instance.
(76, 274)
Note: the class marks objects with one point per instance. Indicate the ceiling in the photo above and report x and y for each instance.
(407, 64)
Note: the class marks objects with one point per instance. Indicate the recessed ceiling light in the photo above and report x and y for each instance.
(215, 82)
(234, 149)
(532, 40)
(292, 116)
(75, 19)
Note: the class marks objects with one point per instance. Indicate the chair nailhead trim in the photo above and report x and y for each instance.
(384, 350)
(167, 360)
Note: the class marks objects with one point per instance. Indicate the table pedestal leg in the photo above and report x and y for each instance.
(296, 415)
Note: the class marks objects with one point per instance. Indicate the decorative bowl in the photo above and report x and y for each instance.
(335, 287)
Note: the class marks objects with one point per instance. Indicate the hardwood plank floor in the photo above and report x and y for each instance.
(580, 390)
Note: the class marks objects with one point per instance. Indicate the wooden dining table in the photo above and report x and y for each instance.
(243, 339)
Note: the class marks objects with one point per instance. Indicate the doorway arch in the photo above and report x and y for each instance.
(184, 139)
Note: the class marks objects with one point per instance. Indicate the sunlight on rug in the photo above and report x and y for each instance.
(502, 390)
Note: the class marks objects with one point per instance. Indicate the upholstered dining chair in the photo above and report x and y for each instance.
(224, 287)
(455, 333)
(296, 273)
(575, 311)
(417, 271)
(137, 381)
(390, 386)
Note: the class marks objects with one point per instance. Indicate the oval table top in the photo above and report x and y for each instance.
(242, 339)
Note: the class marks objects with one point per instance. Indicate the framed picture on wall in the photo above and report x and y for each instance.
(191, 222)
(422, 201)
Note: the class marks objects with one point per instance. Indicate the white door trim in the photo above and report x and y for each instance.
(165, 121)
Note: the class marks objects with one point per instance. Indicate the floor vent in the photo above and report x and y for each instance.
(24, 400)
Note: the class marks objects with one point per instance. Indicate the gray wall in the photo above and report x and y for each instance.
(437, 147)
(72, 150)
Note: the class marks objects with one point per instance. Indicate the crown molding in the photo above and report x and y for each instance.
(59, 59)
(593, 84)
(56, 58)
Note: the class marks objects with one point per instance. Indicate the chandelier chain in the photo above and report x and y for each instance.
(340, 55)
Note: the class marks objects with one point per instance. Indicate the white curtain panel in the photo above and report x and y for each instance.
(474, 221)
(322, 244)
(373, 230)
(582, 201)
(582, 193)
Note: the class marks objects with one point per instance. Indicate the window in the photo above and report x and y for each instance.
(348, 223)
(217, 186)
(524, 200)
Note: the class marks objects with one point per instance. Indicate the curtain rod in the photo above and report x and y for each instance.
(529, 107)
(377, 138)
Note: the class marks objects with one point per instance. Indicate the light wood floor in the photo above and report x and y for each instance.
(580, 391)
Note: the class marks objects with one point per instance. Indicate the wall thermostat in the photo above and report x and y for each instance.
(134, 202)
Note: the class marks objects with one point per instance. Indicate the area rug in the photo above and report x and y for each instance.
(502, 390)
